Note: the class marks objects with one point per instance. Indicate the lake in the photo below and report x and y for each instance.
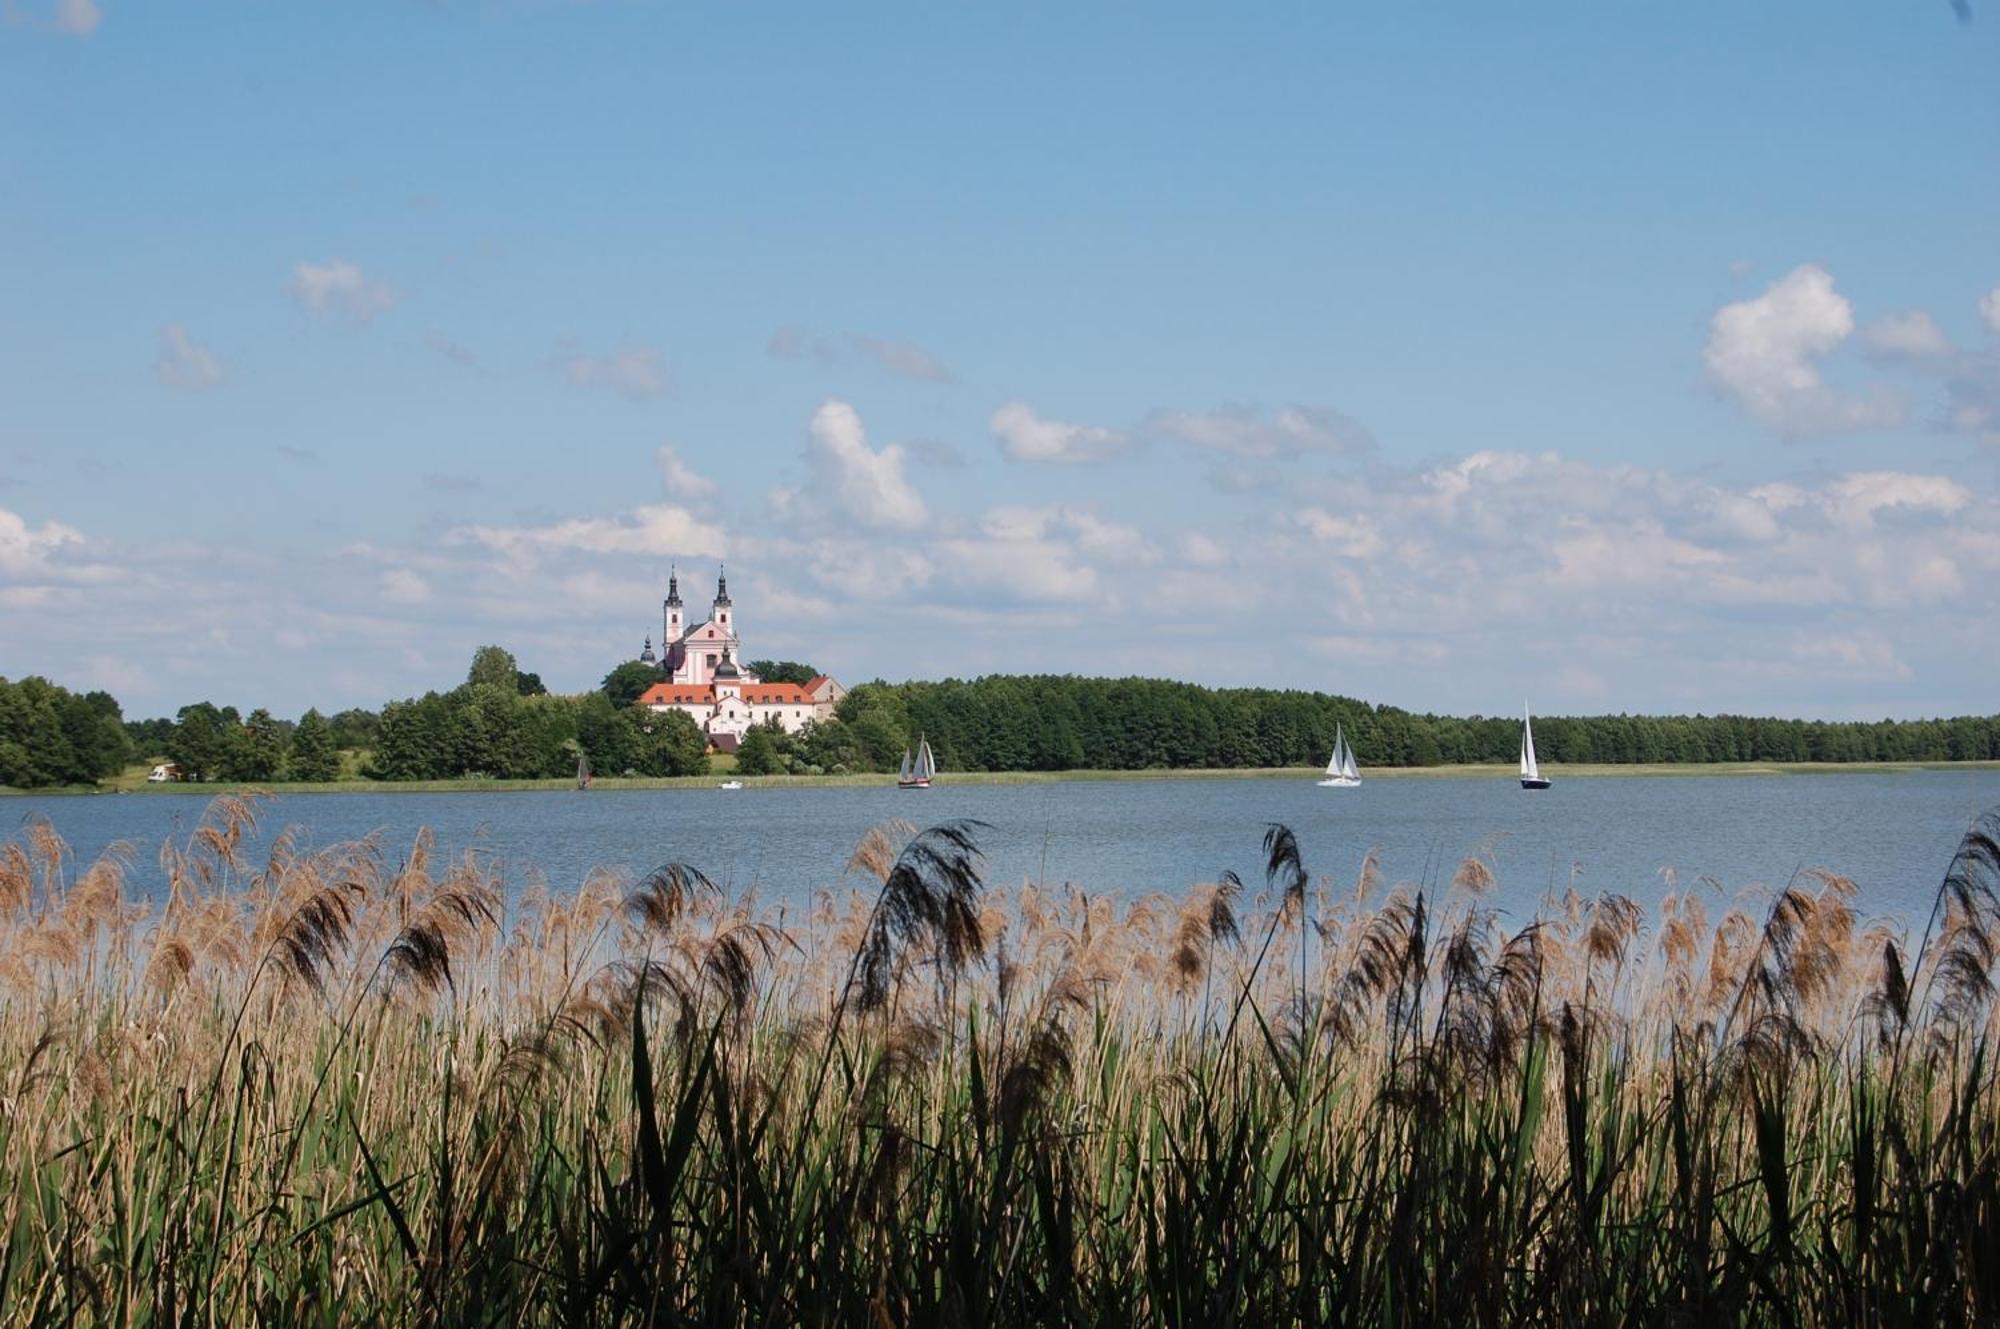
(1893, 833)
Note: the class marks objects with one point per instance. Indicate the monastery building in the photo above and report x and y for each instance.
(705, 679)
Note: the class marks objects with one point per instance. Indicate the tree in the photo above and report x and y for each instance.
(494, 667)
(314, 758)
(355, 728)
(783, 671)
(623, 685)
(203, 741)
(258, 750)
(609, 737)
(881, 741)
(529, 685)
(830, 746)
(671, 744)
(763, 751)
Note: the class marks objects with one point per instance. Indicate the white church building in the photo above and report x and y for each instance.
(706, 679)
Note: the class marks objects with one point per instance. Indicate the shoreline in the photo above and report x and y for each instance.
(1585, 771)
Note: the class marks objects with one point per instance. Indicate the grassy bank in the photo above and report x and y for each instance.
(359, 1086)
(134, 782)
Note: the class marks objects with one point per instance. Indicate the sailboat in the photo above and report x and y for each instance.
(582, 771)
(1531, 774)
(1340, 771)
(917, 773)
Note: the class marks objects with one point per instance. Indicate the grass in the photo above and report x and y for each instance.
(359, 1086)
(133, 780)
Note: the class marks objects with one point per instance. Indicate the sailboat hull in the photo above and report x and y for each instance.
(913, 784)
(1534, 782)
(1340, 782)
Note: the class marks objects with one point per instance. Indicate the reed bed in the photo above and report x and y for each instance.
(360, 1086)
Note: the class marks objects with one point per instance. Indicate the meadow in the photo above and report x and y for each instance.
(359, 1085)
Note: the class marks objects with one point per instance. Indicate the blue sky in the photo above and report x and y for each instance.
(1614, 359)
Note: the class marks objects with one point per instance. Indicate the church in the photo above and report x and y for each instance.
(706, 679)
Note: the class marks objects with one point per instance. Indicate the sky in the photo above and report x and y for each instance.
(1603, 357)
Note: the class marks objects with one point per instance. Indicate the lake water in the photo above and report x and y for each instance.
(1893, 834)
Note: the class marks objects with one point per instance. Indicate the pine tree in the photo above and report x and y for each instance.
(315, 758)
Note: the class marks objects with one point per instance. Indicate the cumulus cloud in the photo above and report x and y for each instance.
(658, 529)
(341, 289)
(1453, 584)
(680, 479)
(1765, 352)
(633, 372)
(1854, 500)
(1244, 431)
(401, 586)
(864, 484)
(1025, 436)
(1911, 335)
(1989, 309)
(183, 362)
(29, 551)
(1350, 537)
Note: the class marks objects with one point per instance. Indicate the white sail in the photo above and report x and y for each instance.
(926, 763)
(1529, 771)
(1347, 766)
(1334, 765)
(903, 773)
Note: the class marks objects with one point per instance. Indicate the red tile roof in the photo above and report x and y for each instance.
(703, 694)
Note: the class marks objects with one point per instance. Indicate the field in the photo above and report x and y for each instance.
(133, 780)
(357, 1086)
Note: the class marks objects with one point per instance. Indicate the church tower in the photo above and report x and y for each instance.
(676, 625)
(722, 614)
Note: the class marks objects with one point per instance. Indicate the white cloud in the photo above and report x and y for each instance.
(865, 484)
(634, 372)
(1201, 551)
(184, 362)
(27, 551)
(1026, 436)
(1350, 537)
(1910, 335)
(1989, 309)
(1854, 499)
(659, 529)
(341, 289)
(1765, 352)
(1860, 654)
(1243, 431)
(404, 587)
(680, 479)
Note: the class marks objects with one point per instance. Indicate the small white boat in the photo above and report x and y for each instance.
(730, 784)
(916, 774)
(1341, 773)
(1531, 774)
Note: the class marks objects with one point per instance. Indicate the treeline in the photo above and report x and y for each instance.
(1061, 722)
(52, 736)
(501, 723)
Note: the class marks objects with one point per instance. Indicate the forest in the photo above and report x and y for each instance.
(502, 723)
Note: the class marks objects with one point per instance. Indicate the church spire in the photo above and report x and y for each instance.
(673, 586)
(721, 585)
